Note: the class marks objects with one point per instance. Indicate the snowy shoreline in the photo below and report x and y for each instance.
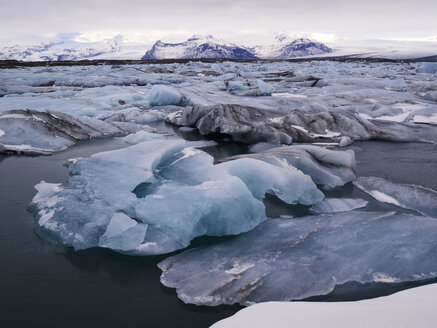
(406, 309)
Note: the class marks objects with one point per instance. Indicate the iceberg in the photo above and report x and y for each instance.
(253, 125)
(161, 95)
(157, 195)
(249, 87)
(417, 198)
(34, 132)
(427, 68)
(293, 259)
(326, 167)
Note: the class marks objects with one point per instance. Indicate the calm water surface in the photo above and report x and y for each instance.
(41, 287)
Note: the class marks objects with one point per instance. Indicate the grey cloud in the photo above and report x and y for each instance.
(337, 16)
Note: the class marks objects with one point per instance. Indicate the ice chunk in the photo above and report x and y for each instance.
(408, 308)
(333, 205)
(274, 179)
(292, 259)
(33, 132)
(123, 233)
(417, 198)
(156, 196)
(162, 95)
(326, 167)
(252, 125)
(345, 141)
(141, 136)
(427, 68)
(250, 88)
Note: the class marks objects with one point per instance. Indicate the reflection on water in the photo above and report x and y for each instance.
(96, 287)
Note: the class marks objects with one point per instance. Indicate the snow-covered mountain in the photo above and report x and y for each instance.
(198, 47)
(77, 46)
(59, 50)
(303, 47)
(285, 47)
(208, 47)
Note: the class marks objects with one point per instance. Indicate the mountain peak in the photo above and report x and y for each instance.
(201, 37)
(302, 40)
(282, 37)
(198, 46)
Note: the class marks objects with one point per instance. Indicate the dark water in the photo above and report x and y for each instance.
(43, 288)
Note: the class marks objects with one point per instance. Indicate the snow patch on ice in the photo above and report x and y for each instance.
(380, 196)
(432, 119)
(385, 278)
(288, 95)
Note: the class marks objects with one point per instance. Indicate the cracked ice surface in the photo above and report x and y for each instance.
(154, 197)
(292, 259)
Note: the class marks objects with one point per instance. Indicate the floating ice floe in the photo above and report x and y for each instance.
(163, 194)
(427, 68)
(249, 87)
(417, 198)
(407, 309)
(162, 95)
(293, 259)
(326, 167)
(33, 132)
(99, 102)
(253, 125)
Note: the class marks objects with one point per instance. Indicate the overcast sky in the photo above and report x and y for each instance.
(361, 19)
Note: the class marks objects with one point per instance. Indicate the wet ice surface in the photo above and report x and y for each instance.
(156, 196)
(34, 132)
(417, 198)
(328, 104)
(291, 259)
(49, 284)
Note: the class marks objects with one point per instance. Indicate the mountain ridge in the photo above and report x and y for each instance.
(195, 47)
(208, 47)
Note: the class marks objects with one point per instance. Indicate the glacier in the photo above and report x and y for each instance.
(293, 259)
